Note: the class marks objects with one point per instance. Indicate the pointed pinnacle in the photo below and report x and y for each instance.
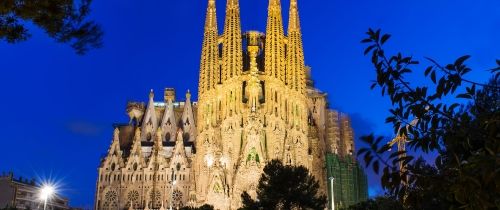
(151, 93)
(232, 2)
(294, 20)
(274, 2)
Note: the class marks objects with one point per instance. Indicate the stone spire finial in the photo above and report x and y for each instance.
(188, 95)
(151, 93)
(188, 125)
(150, 120)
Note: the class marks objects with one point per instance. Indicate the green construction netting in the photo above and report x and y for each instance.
(350, 182)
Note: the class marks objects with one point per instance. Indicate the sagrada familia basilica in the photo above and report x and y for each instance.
(256, 102)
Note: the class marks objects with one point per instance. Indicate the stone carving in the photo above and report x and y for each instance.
(255, 103)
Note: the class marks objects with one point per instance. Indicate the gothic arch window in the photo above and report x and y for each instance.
(185, 137)
(135, 167)
(168, 136)
(149, 137)
(113, 166)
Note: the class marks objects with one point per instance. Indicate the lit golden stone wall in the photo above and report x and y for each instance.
(256, 102)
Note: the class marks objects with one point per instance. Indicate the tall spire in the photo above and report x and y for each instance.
(295, 52)
(274, 49)
(209, 67)
(150, 121)
(188, 123)
(169, 124)
(232, 61)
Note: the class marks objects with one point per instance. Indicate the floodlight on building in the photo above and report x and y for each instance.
(210, 160)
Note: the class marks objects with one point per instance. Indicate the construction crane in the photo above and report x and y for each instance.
(401, 140)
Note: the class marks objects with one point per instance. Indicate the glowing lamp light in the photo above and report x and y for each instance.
(46, 192)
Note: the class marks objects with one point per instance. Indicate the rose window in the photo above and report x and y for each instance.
(133, 196)
(111, 196)
(155, 195)
(177, 195)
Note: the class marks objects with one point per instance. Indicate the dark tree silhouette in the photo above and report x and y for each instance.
(285, 187)
(63, 20)
(378, 203)
(464, 135)
(204, 207)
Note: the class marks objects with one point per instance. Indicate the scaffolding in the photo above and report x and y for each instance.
(350, 183)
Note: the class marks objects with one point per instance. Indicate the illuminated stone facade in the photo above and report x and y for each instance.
(256, 102)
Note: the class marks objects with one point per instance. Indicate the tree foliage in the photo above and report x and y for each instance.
(465, 136)
(285, 187)
(204, 207)
(63, 20)
(378, 203)
(9, 208)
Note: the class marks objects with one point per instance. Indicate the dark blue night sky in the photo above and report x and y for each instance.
(57, 107)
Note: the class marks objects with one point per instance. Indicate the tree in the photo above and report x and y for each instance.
(62, 20)
(379, 203)
(9, 208)
(204, 207)
(465, 136)
(285, 187)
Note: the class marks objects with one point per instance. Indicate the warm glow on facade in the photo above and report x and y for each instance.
(256, 103)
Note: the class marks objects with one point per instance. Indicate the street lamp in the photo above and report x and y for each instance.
(333, 192)
(46, 192)
(172, 194)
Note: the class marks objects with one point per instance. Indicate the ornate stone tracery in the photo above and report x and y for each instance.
(256, 102)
